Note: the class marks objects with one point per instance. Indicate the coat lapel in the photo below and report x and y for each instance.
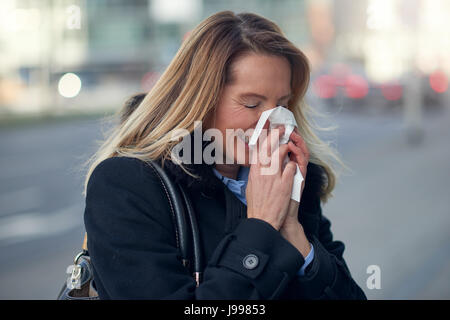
(235, 210)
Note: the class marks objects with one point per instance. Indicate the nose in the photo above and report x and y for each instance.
(264, 108)
(268, 106)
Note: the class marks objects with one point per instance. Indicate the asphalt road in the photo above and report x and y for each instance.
(392, 212)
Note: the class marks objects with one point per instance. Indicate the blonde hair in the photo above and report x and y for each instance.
(190, 88)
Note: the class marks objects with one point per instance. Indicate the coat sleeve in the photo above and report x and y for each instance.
(133, 248)
(328, 276)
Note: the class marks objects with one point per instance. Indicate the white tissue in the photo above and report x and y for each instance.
(280, 116)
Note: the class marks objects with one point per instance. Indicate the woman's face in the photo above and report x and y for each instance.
(259, 82)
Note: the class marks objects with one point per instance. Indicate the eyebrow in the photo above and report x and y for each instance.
(256, 95)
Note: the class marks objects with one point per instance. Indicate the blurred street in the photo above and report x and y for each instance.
(392, 212)
(41, 205)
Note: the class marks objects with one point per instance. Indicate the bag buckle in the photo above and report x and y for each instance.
(74, 281)
(75, 270)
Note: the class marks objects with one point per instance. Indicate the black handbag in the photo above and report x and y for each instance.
(80, 284)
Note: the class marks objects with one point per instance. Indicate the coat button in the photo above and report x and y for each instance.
(250, 261)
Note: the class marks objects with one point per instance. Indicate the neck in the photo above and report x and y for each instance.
(228, 170)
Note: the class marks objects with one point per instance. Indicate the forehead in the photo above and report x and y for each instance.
(258, 72)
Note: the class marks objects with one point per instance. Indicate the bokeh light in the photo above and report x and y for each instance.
(438, 81)
(69, 85)
(325, 87)
(356, 87)
(391, 91)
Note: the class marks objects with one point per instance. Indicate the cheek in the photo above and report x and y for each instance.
(233, 117)
(237, 120)
(234, 147)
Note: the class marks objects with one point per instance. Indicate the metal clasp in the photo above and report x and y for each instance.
(78, 256)
(74, 281)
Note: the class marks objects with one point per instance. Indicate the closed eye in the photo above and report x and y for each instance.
(252, 106)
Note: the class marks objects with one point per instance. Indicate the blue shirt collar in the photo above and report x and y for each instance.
(237, 186)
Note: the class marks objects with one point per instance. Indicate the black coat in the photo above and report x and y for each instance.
(133, 247)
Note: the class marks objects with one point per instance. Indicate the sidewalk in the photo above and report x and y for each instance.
(394, 212)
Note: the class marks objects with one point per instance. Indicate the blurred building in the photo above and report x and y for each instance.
(386, 53)
(93, 41)
(58, 56)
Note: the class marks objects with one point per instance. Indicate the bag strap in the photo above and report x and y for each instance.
(84, 246)
(197, 249)
(186, 229)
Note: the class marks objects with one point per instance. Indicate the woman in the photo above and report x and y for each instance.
(258, 243)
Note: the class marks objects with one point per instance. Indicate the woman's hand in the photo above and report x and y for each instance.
(291, 229)
(300, 155)
(268, 193)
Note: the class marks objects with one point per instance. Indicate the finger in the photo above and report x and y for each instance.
(279, 155)
(298, 157)
(288, 174)
(299, 142)
(263, 149)
(269, 144)
(297, 154)
(275, 137)
(256, 148)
